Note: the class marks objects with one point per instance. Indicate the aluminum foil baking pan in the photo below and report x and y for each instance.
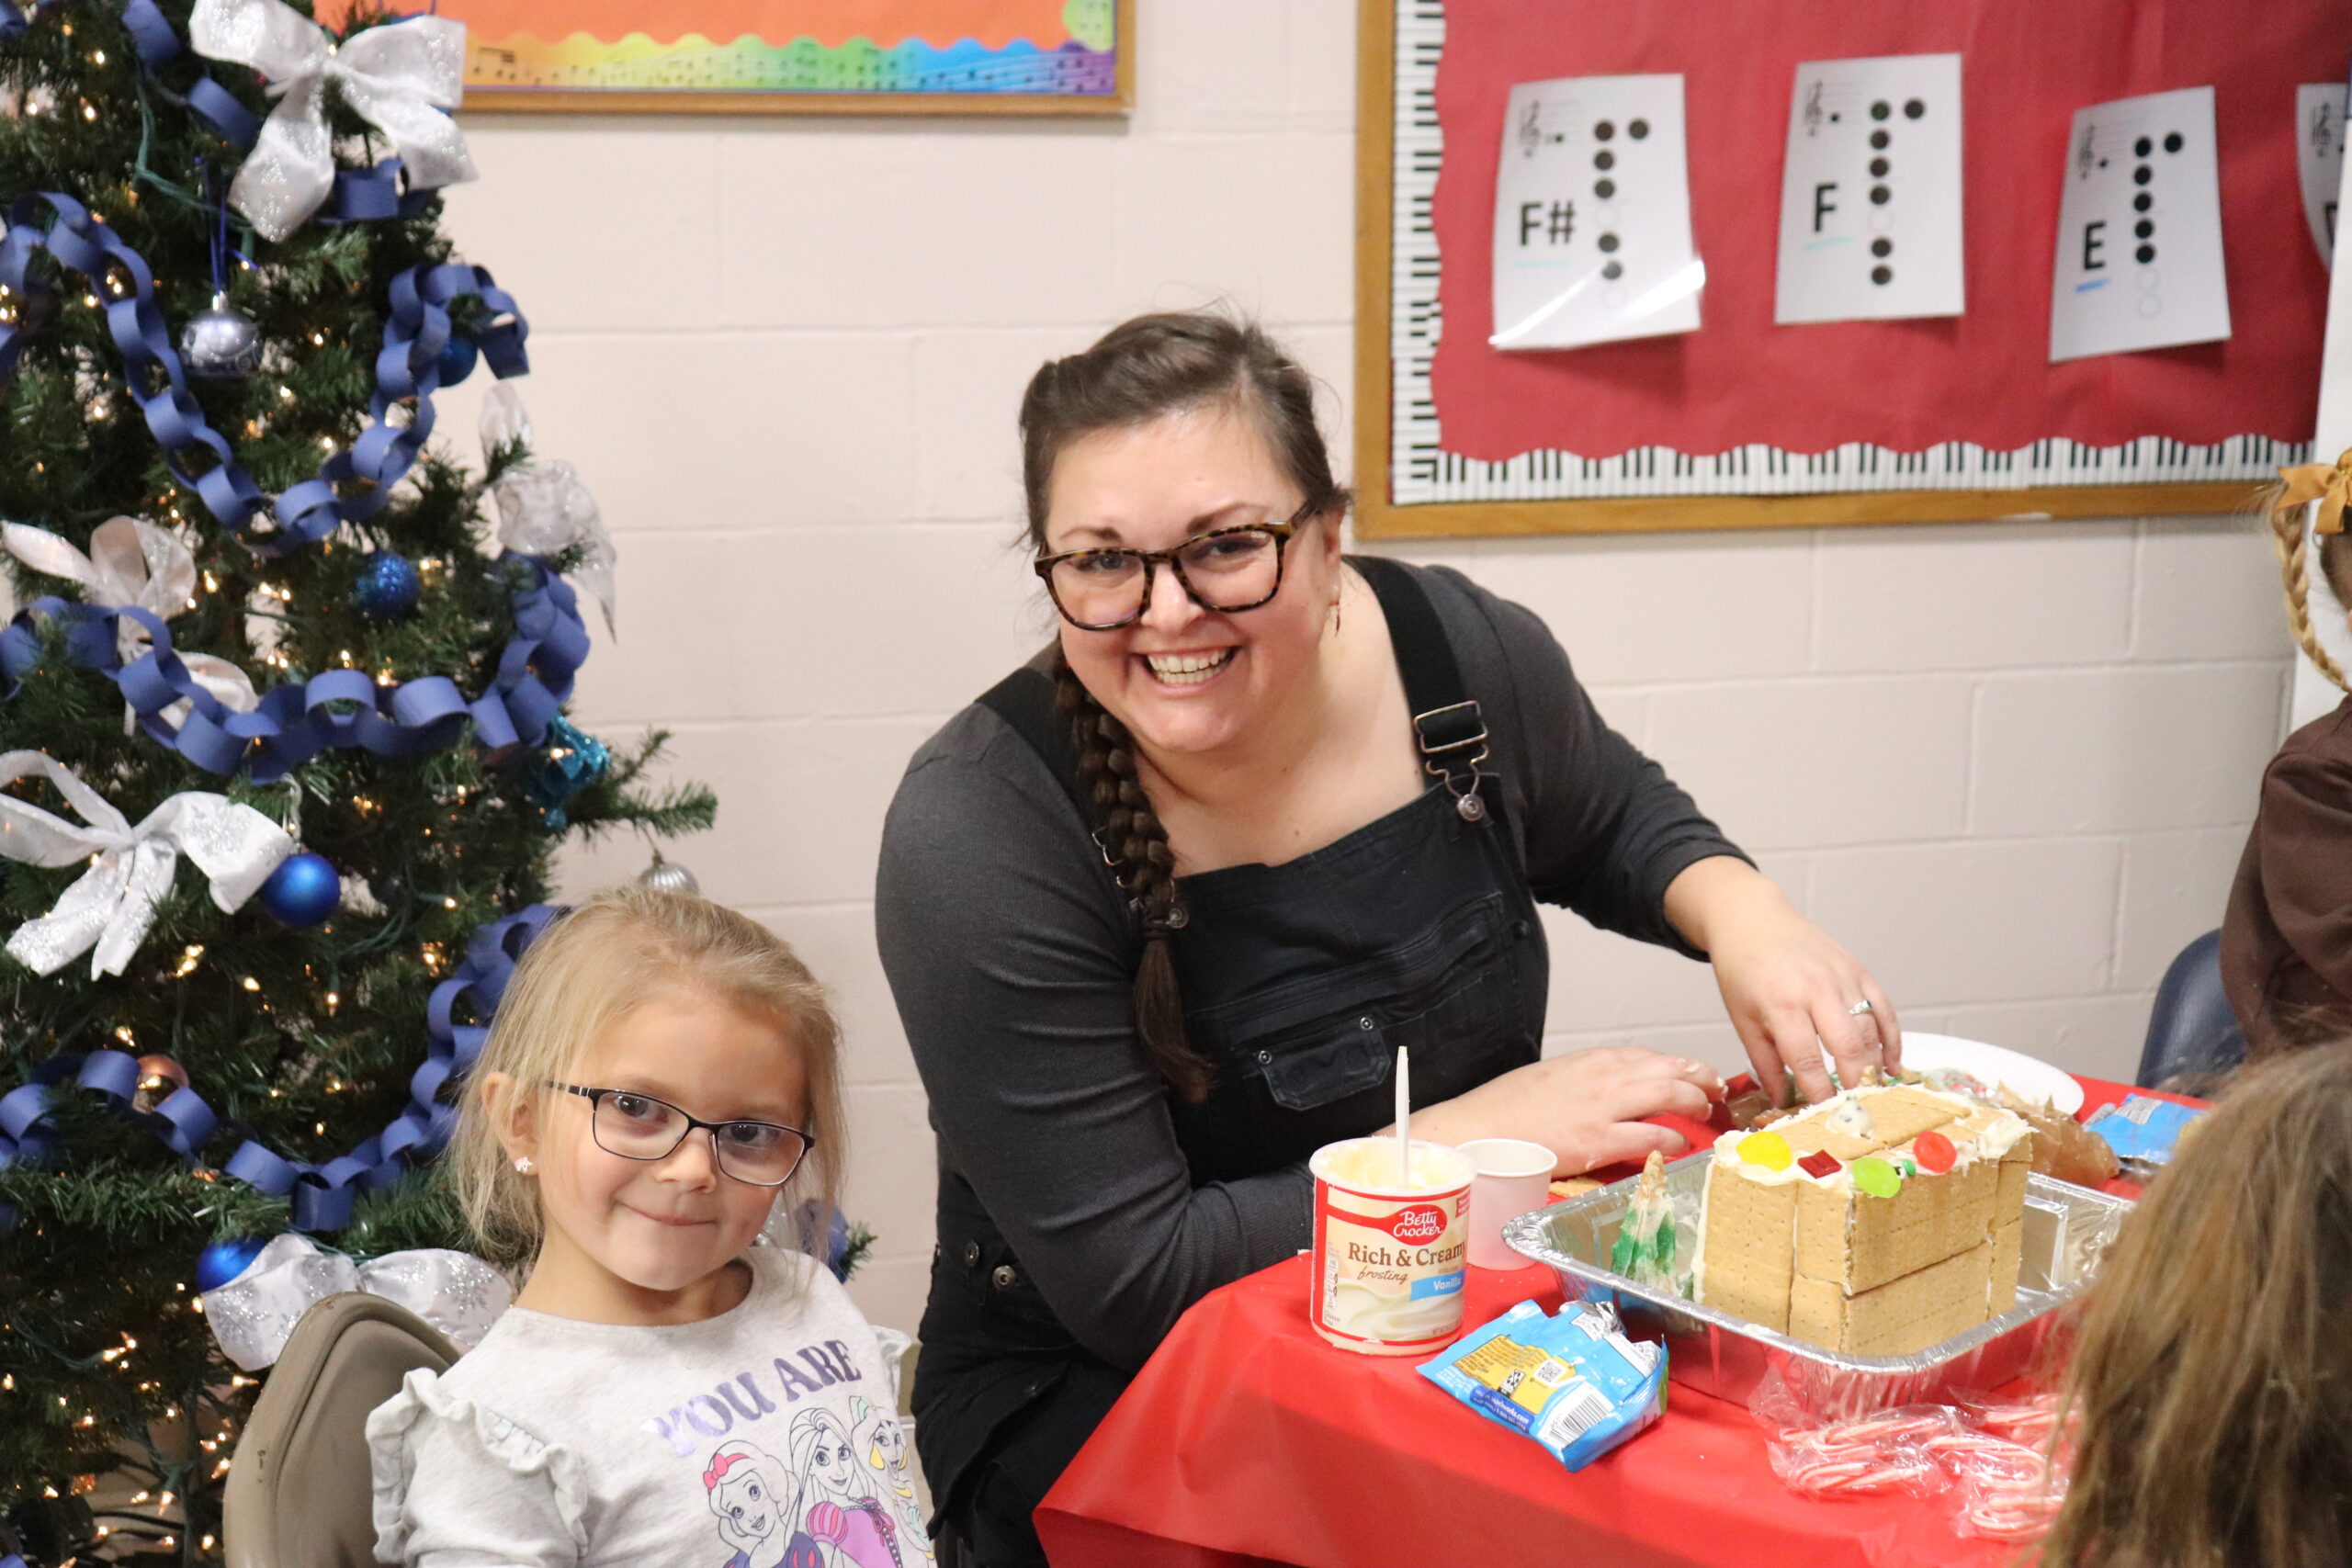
(2067, 1232)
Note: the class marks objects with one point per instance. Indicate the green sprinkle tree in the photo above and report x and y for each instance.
(435, 791)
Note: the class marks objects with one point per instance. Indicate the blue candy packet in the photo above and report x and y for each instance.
(2143, 1132)
(1572, 1381)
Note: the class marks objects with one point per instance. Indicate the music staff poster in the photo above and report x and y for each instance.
(865, 56)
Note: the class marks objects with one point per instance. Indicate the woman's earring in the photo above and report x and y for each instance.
(522, 1164)
(1337, 599)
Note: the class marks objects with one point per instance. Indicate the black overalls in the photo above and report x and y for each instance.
(1300, 982)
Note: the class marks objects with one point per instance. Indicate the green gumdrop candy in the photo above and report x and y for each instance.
(1875, 1177)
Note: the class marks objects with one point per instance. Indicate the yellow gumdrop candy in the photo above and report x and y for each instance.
(1768, 1149)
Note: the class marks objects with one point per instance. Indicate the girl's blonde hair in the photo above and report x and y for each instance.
(590, 969)
(2289, 539)
(2212, 1381)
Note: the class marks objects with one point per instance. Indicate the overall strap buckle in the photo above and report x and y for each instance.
(1453, 741)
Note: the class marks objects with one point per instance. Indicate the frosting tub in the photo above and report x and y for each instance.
(1389, 1254)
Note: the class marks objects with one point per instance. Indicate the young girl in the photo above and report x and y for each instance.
(667, 1389)
(2286, 937)
(2214, 1402)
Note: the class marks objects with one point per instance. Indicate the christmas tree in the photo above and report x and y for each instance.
(282, 752)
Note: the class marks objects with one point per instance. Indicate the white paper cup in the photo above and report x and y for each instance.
(1388, 1255)
(1514, 1177)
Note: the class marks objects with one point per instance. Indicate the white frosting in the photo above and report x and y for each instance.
(1852, 1116)
(1369, 1165)
(1846, 1111)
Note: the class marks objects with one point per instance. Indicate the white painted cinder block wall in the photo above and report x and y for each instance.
(2011, 765)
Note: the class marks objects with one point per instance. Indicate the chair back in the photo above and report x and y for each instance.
(298, 1491)
(2191, 1028)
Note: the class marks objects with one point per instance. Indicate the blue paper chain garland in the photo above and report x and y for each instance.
(293, 723)
(407, 367)
(341, 708)
(319, 1196)
(158, 44)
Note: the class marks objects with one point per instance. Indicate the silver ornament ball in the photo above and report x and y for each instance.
(668, 877)
(220, 344)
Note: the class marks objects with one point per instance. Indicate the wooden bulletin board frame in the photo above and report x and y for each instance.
(1379, 517)
(485, 97)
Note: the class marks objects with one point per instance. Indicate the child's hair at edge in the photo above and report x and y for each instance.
(1141, 371)
(2212, 1386)
(592, 967)
(2289, 539)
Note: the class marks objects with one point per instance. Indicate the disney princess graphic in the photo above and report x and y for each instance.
(837, 1505)
(881, 1445)
(753, 1494)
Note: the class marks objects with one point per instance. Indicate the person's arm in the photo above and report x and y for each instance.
(2303, 835)
(1010, 963)
(1606, 831)
(446, 1496)
(1612, 838)
(1789, 990)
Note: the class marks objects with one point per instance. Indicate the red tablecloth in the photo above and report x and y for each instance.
(1248, 1440)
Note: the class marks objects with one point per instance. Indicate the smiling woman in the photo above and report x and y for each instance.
(1161, 907)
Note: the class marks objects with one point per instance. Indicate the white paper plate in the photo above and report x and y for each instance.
(2020, 1073)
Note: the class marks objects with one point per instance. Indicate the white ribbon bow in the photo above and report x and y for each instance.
(113, 903)
(252, 1315)
(136, 564)
(543, 508)
(399, 77)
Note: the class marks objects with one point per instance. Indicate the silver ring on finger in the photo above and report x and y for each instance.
(1859, 1007)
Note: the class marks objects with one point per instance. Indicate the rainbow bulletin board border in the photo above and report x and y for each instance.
(799, 56)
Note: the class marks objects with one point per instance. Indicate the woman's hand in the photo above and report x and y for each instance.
(1790, 990)
(1585, 1107)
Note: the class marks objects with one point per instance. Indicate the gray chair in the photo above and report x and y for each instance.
(2191, 1028)
(298, 1493)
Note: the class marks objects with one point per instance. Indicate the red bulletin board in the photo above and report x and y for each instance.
(1905, 387)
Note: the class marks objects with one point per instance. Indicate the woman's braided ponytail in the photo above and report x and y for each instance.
(1136, 844)
(1139, 371)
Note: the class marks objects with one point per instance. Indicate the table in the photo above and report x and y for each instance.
(1247, 1441)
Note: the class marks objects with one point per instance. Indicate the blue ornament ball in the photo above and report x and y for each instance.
(458, 357)
(388, 588)
(302, 891)
(224, 1261)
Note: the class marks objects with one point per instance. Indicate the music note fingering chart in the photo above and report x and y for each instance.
(1870, 191)
(2319, 158)
(1593, 214)
(2140, 229)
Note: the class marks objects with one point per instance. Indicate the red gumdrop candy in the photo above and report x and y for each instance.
(1821, 1163)
(1934, 1152)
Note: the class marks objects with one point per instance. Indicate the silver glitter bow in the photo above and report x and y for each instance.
(135, 563)
(543, 507)
(252, 1315)
(109, 908)
(399, 77)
